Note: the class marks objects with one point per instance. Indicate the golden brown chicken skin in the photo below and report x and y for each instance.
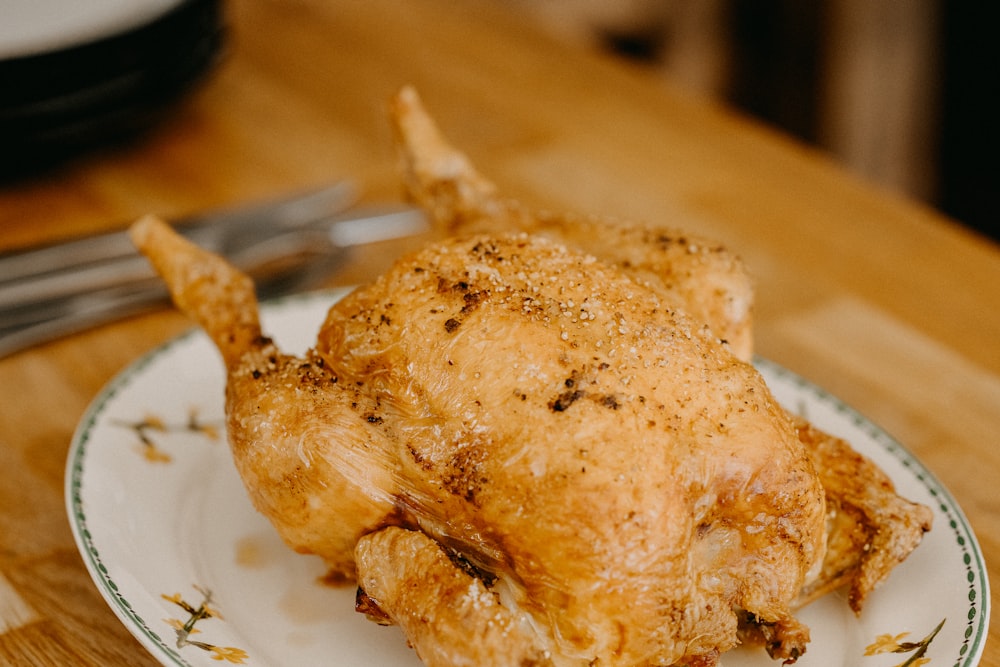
(541, 448)
(277, 407)
(630, 488)
(871, 529)
(628, 480)
(449, 614)
(695, 274)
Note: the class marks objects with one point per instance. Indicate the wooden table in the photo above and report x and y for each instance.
(880, 300)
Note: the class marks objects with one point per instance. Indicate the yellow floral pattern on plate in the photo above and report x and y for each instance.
(187, 627)
(151, 424)
(894, 644)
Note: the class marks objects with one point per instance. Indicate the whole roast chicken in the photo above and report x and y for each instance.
(530, 444)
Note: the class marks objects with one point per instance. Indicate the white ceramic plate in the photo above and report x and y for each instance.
(37, 26)
(162, 522)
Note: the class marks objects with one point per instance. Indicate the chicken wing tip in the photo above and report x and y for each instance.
(204, 286)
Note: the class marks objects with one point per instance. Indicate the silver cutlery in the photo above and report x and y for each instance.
(285, 245)
(103, 260)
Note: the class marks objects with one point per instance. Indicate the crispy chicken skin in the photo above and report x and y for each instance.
(528, 454)
(692, 273)
(871, 528)
(275, 406)
(629, 485)
(451, 617)
(628, 480)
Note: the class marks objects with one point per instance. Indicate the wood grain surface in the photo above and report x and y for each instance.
(883, 302)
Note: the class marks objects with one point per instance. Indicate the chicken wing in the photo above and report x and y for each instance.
(871, 528)
(278, 408)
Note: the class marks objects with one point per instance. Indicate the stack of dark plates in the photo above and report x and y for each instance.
(69, 84)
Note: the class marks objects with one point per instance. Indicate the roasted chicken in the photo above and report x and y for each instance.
(528, 454)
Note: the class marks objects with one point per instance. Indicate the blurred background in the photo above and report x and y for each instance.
(902, 92)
